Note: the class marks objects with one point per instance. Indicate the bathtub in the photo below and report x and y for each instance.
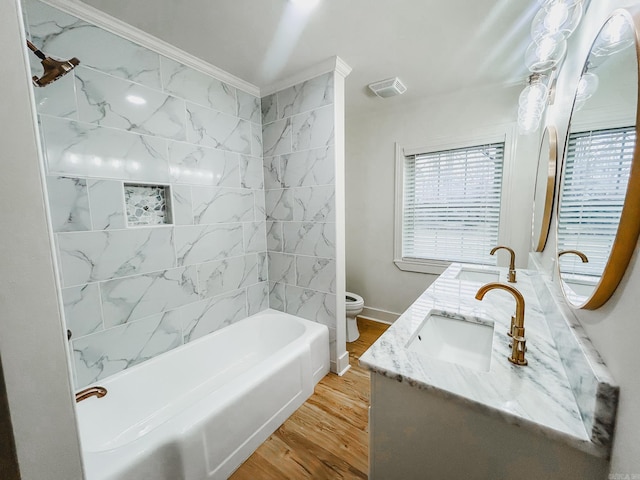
(197, 412)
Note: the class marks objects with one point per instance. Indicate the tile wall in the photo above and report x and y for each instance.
(299, 174)
(127, 114)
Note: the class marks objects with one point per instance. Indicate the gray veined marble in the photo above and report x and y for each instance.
(107, 204)
(316, 273)
(127, 299)
(316, 204)
(181, 205)
(113, 102)
(263, 267)
(204, 243)
(269, 108)
(65, 36)
(259, 206)
(588, 375)
(276, 296)
(258, 297)
(308, 168)
(272, 176)
(209, 315)
(197, 87)
(313, 129)
(59, 98)
(279, 204)
(82, 310)
(316, 239)
(249, 107)
(275, 237)
(211, 128)
(538, 397)
(256, 140)
(255, 237)
(103, 255)
(282, 268)
(306, 96)
(198, 165)
(276, 138)
(110, 351)
(69, 203)
(310, 304)
(82, 149)
(215, 278)
(251, 172)
(222, 205)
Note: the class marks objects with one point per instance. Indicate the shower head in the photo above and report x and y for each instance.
(53, 69)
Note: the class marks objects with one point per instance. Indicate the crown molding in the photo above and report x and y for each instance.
(332, 64)
(118, 27)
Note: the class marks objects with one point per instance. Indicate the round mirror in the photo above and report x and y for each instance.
(545, 189)
(599, 205)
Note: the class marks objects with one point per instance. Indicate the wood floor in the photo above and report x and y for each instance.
(327, 437)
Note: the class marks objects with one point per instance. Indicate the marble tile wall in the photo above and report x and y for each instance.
(127, 114)
(299, 180)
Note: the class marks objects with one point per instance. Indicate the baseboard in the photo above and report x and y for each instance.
(342, 364)
(378, 315)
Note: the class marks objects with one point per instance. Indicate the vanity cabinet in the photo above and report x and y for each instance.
(418, 434)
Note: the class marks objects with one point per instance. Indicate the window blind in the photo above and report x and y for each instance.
(595, 185)
(451, 204)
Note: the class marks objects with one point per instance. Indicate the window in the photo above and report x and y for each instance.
(450, 205)
(595, 185)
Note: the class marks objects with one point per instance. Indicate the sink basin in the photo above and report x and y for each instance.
(480, 276)
(456, 339)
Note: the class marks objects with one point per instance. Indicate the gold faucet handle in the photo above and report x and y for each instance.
(518, 349)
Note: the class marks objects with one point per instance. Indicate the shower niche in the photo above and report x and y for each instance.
(147, 205)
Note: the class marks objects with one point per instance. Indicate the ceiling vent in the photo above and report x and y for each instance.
(388, 88)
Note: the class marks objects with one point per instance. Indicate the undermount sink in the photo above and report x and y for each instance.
(456, 339)
(480, 276)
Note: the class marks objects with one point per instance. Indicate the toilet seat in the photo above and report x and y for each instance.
(353, 301)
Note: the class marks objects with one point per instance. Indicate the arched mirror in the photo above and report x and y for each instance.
(599, 205)
(545, 189)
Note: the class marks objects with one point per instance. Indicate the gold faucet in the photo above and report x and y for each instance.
(90, 392)
(512, 262)
(582, 256)
(516, 331)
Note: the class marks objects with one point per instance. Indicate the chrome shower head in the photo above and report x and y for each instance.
(53, 69)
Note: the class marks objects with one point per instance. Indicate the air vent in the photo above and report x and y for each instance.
(388, 88)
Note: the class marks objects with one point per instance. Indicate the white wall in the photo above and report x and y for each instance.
(32, 343)
(614, 328)
(370, 164)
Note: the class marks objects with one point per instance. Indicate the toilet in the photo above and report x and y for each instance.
(354, 304)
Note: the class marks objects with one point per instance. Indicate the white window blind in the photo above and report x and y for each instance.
(451, 204)
(595, 184)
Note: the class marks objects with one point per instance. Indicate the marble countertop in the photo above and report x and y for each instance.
(537, 396)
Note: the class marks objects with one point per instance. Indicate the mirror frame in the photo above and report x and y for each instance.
(628, 230)
(552, 172)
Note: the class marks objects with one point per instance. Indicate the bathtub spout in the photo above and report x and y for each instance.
(90, 392)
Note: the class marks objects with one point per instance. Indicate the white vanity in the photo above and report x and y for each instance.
(432, 416)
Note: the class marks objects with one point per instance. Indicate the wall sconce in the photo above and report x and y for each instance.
(550, 28)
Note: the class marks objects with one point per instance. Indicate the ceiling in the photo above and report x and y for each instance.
(434, 47)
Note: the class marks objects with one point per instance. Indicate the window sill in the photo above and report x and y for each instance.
(434, 267)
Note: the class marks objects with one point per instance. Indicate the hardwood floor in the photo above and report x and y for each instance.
(328, 436)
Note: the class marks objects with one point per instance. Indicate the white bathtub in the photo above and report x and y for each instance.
(199, 411)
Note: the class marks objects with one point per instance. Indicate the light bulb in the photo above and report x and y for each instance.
(615, 36)
(558, 19)
(545, 55)
(587, 86)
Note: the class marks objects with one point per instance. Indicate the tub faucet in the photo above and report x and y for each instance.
(516, 331)
(512, 262)
(90, 392)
